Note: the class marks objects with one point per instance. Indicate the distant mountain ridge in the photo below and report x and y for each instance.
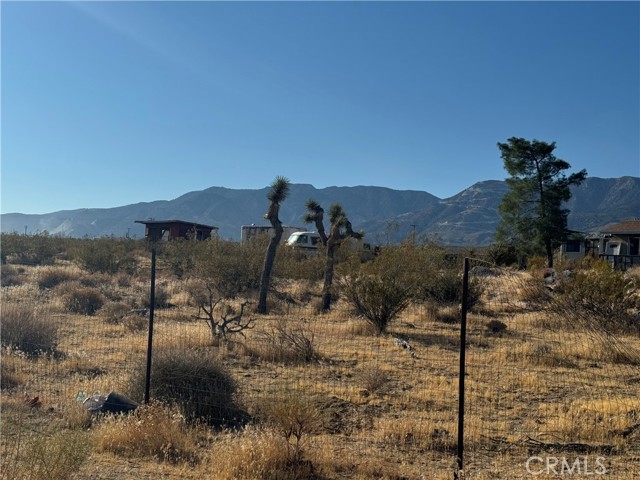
(468, 218)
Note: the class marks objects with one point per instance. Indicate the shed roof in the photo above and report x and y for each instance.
(174, 222)
(626, 227)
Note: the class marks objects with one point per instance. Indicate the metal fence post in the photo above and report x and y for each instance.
(152, 305)
(461, 375)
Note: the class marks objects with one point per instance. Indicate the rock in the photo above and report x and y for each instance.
(111, 403)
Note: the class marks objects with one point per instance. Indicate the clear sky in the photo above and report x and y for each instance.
(111, 103)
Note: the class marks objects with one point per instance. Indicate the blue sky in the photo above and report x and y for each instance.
(111, 103)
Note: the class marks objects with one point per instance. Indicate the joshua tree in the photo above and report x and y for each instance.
(277, 194)
(339, 230)
(315, 215)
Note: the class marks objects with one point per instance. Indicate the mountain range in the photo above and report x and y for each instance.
(468, 218)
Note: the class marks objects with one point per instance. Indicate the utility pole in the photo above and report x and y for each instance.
(414, 233)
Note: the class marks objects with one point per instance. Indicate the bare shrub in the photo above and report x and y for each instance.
(123, 280)
(160, 297)
(135, 323)
(10, 373)
(115, 312)
(25, 329)
(50, 277)
(155, 431)
(449, 314)
(79, 299)
(294, 416)
(286, 343)
(192, 379)
(374, 379)
(10, 276)
(534, 293)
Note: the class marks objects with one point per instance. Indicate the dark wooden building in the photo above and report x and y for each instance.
(172, 229)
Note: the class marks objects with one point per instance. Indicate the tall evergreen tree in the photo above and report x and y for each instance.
(532, 215)
(277, 194)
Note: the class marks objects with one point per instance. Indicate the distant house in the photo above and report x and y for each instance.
(618, 243)
(621, 243)
(173, 229)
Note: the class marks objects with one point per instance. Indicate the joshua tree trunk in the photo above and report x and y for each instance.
(269, 259)
(278, 192)
(328, 280)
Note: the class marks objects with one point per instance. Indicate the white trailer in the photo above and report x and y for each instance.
(249, 231)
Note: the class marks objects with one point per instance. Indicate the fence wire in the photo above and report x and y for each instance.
(545, 383)
(552, 388)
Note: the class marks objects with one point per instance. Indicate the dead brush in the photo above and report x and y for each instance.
(374, 380)
(154, 431)
(50, 277)
(79, 299)
(11, 374)
(31, 451)
(286, 343)
(28, 329)
(115, 312)
(292, 414)
(256, 453)
(11, 276)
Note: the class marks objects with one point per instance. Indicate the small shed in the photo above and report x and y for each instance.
(172, 229)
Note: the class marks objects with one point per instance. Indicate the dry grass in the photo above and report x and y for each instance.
(372, 409)
(156, 432)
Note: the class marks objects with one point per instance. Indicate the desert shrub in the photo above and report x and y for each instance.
(39, 249)
(286, 343)
(123, 280)
(608, 294)
(258, 454)
(295, 264)
(193, 380)
(115, 312)
(534, 292)
(10, 373)
(293, 415)
(378, 298)
(449, 314)
(106, 255)
(434, 273)
(10, 276)
(225, 267)
(50, 277)
(81, 300)
(161, 297)
(496, 327)
(503, 253)
(47, 457)
(155, 431)
(135, 323)
(445, 287)
(27, 330)
(374, 379)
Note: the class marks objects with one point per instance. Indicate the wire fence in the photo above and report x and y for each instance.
(546, 389)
